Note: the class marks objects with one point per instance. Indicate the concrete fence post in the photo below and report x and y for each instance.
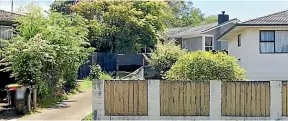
(215, 100)
(98, 98)
(275, 100)
(154, 99)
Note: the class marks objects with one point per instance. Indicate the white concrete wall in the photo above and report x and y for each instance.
(273, 66)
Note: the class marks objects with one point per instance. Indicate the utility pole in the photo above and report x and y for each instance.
(12, 6)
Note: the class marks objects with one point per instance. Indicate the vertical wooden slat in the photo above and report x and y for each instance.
(135, 98)
(175, 98)
(262, 106)
(107, 97)
(248, 99)
(185, 97)
(223, 98)
(126, 97)
(267, 100)
(181, 99)
(233, 100)
(146, 97)
(193, 98)
(188, 98)
(170, 98)
(207, 98)
(284, 98)
(197, 98)
(243, 98)
(237, 99)
(130, 96)
(162, 98)
(228, 99)
(258, 98)
(141, 103)
(113, 102)
(202, 98)
(254, 99)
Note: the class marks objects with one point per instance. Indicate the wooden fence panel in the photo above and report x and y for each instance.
(126, 98)
(240, 98)
(284, 98)
(184, 98)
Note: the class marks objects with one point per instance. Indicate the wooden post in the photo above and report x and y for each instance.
(29, 100)
(34, 97)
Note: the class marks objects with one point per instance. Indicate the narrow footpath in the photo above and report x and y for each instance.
(75, 108)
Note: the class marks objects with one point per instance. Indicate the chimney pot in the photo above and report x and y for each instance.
(223, 12)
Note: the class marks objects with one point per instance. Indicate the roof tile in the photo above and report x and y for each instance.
(8, 16)
(275, 18)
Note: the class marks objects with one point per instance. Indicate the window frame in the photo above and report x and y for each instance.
(269, 41)
(11, 33)
(239, 40)
(212, 43)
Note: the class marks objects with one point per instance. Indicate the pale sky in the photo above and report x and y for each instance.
(243, 10)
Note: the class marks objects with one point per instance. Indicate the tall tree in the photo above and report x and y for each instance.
(123, 26)
(183, 14)
(63, 7)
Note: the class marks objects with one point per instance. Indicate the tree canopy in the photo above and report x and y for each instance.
(123, 26)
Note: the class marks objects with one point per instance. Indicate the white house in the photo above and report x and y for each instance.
(194, 38)
(260, 45)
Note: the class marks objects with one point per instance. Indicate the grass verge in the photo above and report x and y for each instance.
(89, 117)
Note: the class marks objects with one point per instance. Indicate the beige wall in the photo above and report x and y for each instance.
(258, 66)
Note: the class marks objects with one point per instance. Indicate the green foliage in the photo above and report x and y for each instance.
(63, 7)
(122, 26)
(202, 66)
(47, 50)
(105, 76)
(95, 72)
(165, 56)
(89, 117)
(183, 14)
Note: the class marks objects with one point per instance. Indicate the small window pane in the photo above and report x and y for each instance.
(267, 47)
(239, 40)
(208, 48)
(267, 36)
(208, 41)
(281, 41)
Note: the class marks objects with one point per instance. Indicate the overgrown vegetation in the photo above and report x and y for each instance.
(47, 50)
(89, 117)
(202, 66)
(165, 56)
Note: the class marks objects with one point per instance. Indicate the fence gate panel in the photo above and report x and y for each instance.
(126, 98)
(241, 98)
(184, 98)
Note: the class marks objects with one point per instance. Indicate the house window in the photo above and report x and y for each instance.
(5, 32)
(208, 43)
(239, 40)
(273, 41)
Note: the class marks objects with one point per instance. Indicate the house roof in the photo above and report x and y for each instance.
(8, 16)
(275, 19)
(279, 18)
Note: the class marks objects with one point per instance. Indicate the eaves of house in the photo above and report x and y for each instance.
(275, 19)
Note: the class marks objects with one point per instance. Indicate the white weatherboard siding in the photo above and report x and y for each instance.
(267, 66)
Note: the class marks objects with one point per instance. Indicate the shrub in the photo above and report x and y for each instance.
(95, 72)
(201, 66)
(165, 56)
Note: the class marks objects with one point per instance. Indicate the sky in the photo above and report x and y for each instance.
(242, 10)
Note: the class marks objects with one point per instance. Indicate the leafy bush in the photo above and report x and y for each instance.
(201, 66)
(47, 50)
(165, 56)
(95, 72)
